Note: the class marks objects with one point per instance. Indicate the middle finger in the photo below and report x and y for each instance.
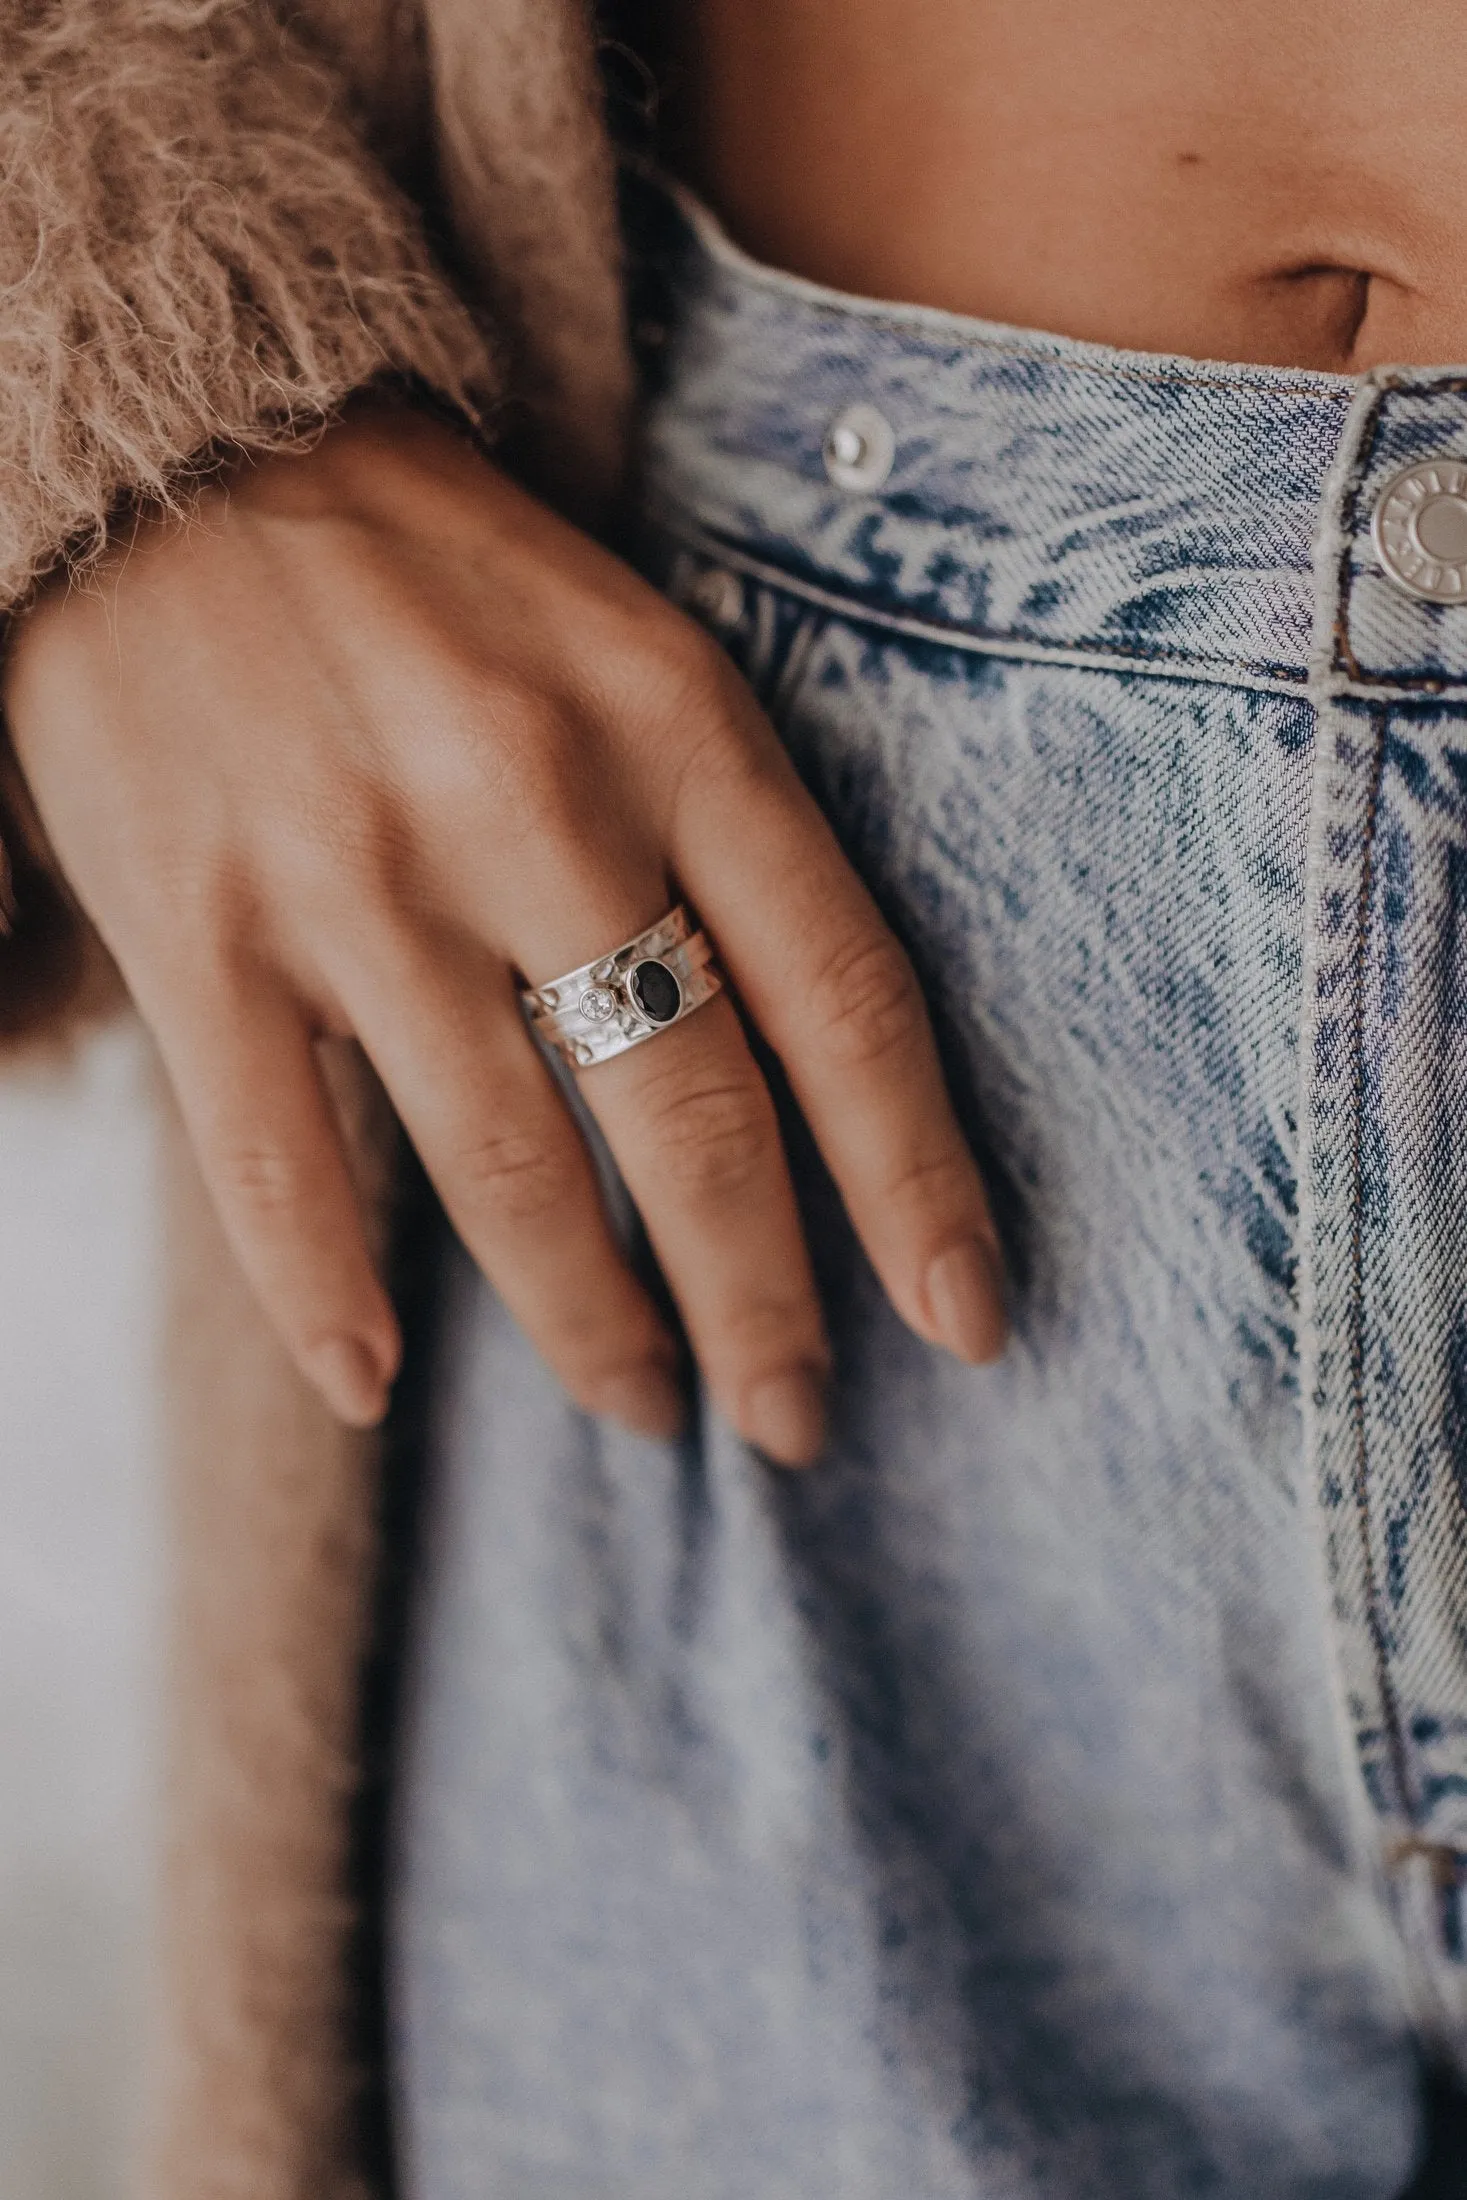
(693, 1128)
(691, 1124)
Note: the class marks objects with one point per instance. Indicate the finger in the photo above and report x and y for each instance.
(249, 1087)
(691, 1123)
(442, 1023)
(832, 991)
(692, 1127)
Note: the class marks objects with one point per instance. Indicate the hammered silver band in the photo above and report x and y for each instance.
(607, 1006)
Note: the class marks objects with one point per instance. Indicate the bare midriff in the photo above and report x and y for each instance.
(1274, 180)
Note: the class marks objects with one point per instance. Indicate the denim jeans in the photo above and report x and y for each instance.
(1061, 1793)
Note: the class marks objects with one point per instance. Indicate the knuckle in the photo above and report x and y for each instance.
(725, 771)
(767, 1331)
(546, 805)
(200, 910)
(714, 1136)
(513, 1174)
(525, 758)
(604, 1341)
(671, 661)
(687, 683)
(698, 677)
(542, 798)
(600, 1384)
(264, 1180)
(588, 1351)
(942, 1185)
(867, 1002)
(366, 844)
(355, 847)
(599, 1328)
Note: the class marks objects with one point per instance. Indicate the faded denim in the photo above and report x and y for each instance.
(1062, 1793)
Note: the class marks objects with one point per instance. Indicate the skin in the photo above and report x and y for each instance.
(1273, 180)
(375, 732)
(370, 736)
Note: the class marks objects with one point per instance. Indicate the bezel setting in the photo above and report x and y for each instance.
(644, 980)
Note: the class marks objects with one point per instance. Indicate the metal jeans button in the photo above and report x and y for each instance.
(859, 448)
(1419, 530)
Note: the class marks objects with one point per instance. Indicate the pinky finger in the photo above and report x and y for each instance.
(258, 1115)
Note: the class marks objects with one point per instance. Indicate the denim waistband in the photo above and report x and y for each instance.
(1043, 495)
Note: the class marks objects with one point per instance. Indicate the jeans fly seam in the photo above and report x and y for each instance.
(1390, 1703)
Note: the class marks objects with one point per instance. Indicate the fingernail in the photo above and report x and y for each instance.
(965, 1294)
(649, 1402)
(784, 1417)
(350, 1377)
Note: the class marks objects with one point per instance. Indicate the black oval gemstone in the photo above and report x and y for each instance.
(655, 991)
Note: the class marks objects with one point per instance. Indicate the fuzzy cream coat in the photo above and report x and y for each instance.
(213, 228)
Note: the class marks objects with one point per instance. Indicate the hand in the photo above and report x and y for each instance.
(370, 734)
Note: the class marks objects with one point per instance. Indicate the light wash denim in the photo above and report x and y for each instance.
(1061, 1794)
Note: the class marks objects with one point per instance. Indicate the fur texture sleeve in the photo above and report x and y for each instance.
(198, 253)
(195, 250)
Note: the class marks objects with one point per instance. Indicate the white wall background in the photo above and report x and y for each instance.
(81, 1555)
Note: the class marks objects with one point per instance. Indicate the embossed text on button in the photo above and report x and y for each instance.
(1419, 530)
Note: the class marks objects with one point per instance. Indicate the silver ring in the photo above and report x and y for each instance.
(653, 982)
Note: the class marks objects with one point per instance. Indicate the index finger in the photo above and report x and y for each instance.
(833, 992)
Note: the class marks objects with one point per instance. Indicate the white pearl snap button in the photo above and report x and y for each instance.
(859, 448)
(1419, 530)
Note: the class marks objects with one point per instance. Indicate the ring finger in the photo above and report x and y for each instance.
(693, 1128)
(441, 1021)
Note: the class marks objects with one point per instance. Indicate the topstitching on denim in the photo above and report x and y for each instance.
(1171, 665)
(1174, 524)
(1383, 1186)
